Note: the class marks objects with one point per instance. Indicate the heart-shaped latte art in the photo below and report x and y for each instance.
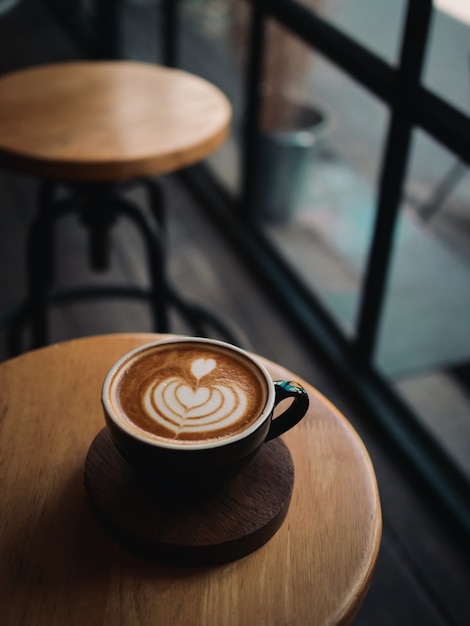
(182, 406)
(191, 398)
(202, 367)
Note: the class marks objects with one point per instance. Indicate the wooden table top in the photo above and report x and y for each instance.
(58, 566)
(109, 120)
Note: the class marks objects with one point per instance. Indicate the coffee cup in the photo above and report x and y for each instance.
(190, 409)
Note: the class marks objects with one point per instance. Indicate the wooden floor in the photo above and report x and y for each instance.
(423, 572)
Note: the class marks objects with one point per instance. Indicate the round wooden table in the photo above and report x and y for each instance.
(58, 565)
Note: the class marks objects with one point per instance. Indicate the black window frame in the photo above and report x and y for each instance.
(411, 106)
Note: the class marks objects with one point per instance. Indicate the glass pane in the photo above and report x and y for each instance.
(325, 233)
(426, 315)
(210, 47)
(447, 71)
(424, 339)
(376, 25)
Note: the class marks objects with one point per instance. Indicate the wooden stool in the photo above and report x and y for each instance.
(59, 566)
(88, 129)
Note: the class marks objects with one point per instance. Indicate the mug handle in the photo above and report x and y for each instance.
(294, 412)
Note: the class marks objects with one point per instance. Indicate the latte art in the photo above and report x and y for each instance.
(189, 392)
(182, 408)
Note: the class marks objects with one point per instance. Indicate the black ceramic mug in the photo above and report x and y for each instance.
(188, 409)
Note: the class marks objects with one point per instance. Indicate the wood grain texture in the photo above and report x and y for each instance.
(58, 565)
(111, 120)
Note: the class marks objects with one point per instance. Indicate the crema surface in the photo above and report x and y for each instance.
(190, 392)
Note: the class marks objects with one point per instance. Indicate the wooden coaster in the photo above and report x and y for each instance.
(206, 528)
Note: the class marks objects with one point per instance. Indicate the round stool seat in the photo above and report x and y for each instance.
(108, 121)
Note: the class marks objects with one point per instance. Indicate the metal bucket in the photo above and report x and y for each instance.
(283, 157)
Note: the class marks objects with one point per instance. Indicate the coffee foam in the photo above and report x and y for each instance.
(189, 393)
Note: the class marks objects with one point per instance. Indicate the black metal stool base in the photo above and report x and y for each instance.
(99, 206)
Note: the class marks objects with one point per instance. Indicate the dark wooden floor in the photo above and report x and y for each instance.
(423, 571)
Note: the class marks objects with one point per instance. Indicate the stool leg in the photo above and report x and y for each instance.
(13, 339)
(47, 201)
(197, 317)
(102, 207)
(156, 261)
(98, 214)
(40, 273)
(156, 201)
(40, 263)
(160, 297)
